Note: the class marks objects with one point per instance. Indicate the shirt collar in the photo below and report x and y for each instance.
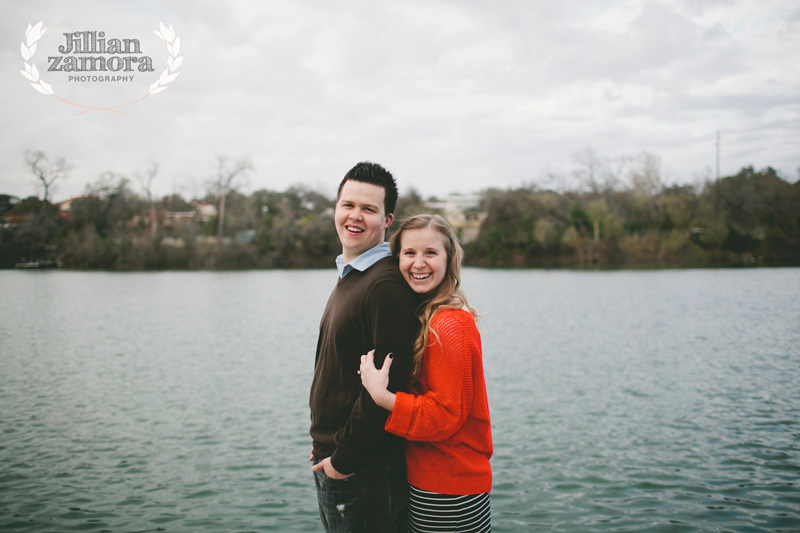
(363, 261)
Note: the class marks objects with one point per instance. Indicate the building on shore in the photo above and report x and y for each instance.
(463, 212)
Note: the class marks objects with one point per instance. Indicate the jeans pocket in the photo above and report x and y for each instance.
(340, 484)
(335, 481)
(341, 503)
(397, 489)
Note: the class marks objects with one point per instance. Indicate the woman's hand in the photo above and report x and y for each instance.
(376, 381)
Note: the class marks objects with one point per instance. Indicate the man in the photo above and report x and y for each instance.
(359, 468)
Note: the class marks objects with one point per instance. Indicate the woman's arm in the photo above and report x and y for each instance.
(444, 407)
(376, 381)
(441, 411)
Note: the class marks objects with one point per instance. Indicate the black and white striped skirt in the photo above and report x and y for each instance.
(430, 512)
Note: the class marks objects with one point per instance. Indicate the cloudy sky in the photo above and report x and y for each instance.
(450, 95)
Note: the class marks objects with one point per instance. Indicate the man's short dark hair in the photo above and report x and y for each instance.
(375, 174)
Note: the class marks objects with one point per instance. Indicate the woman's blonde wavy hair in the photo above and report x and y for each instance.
(448, 294)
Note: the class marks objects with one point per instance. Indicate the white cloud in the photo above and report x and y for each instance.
(450, 95)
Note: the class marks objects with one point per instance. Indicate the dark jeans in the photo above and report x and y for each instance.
(373, 500)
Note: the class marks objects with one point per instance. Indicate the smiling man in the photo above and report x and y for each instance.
(358, 467)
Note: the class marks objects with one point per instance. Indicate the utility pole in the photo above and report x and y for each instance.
(717, 155)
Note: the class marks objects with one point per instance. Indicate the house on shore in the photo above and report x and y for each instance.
(463, 212)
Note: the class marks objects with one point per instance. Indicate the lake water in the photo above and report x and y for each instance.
(620, 401)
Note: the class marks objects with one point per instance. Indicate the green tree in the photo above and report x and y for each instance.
(760, 210)
(579, 219)
(608, 227)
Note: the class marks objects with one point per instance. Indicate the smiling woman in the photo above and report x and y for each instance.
(423, 259)
(445, 419)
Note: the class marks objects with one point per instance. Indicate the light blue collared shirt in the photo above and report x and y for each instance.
(363, 261)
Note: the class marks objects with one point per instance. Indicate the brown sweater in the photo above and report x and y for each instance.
(370, 309)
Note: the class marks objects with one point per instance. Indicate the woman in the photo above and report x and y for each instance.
(445, 421)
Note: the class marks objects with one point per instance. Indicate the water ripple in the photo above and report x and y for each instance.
(627, 401)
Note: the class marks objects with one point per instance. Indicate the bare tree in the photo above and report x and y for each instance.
(645, 175)
(146, 181)
(45, 171)
(224, 184)
(555, 181)
(595, 174)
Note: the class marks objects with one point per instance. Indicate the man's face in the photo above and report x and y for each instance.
(360, 218)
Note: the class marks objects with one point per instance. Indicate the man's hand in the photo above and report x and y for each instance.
(326, 466)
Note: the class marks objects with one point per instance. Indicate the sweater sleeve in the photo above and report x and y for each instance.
(394, 326)
(442, 410)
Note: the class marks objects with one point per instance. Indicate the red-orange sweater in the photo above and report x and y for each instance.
(447, 428)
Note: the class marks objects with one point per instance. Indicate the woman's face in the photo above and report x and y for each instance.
(423, 259)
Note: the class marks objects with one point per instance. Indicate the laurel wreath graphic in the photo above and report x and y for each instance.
(32, 36)
(174, 48)
(31, 73)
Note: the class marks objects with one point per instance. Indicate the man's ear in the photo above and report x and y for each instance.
(389, 220)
